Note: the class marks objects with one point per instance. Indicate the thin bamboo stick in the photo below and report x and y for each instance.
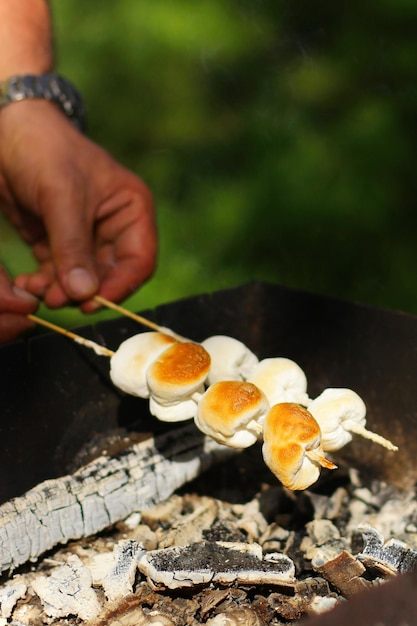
(101, 350)
(368, 434)
(138, 318)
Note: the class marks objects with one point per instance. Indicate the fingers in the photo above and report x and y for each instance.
(13, 326)
(70, 227)
(123, 247)
(13, 299)
(134, 264)
(89, 221)
(126, 242)
(15, 305)
(101, 230)
(37, 283)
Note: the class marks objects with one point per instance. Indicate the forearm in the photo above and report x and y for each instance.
(89, 221)
(26, 37)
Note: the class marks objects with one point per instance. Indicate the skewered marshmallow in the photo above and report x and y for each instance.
(129, 363)
(232, 412)
(292, 446)
(178, 373)
(340, 413)
(281, 380)
(230, 359)
(174, 412)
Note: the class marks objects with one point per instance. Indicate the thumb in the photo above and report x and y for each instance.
(71, 240)
(80, 283)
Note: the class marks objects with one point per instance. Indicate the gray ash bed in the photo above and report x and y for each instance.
(151, 534)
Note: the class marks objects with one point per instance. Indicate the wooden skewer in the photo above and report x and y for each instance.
(138, 318)
(101, 350)
(368, 434)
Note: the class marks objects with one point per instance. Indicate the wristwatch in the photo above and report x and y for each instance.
(50, 86)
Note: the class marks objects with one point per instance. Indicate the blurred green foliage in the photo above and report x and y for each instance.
(279, 138)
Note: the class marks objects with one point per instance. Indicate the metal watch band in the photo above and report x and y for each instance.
(50, 86)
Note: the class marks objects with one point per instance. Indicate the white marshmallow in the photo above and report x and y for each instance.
(341, 413)
(232, 413)
(337, 411)
(175, 412)
(281, 380)
(230, 359)
(129, 363)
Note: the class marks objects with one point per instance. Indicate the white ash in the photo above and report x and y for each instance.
(321, 604)
(390, 557)
(214, 562)
(189, 529)
(235, 617)
(9, 595)
(102, 493)
(118, 581)
(317, 534)
(68, 591)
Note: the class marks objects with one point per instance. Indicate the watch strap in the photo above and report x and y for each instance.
(50, 86)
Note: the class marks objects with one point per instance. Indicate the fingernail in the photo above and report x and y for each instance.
(22, 294)
(81, 283)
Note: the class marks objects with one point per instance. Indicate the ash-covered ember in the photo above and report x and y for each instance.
(213, 562)
(234, 548)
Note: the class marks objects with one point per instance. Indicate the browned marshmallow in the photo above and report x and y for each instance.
(292, 446)
(178, 373)
(231, 412)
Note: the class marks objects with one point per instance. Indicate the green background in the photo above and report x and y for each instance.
(278, 138)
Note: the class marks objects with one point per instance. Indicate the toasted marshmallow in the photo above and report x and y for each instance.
(292, 446)
(281, 380)
(341, 413)
(178, 373)
(129, 363)
(232, 413)
(230, 359)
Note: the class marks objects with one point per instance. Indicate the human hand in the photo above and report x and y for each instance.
(89, 221)
(15, 305)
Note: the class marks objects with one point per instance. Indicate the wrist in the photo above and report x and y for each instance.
(13, 118)
(50, 87)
